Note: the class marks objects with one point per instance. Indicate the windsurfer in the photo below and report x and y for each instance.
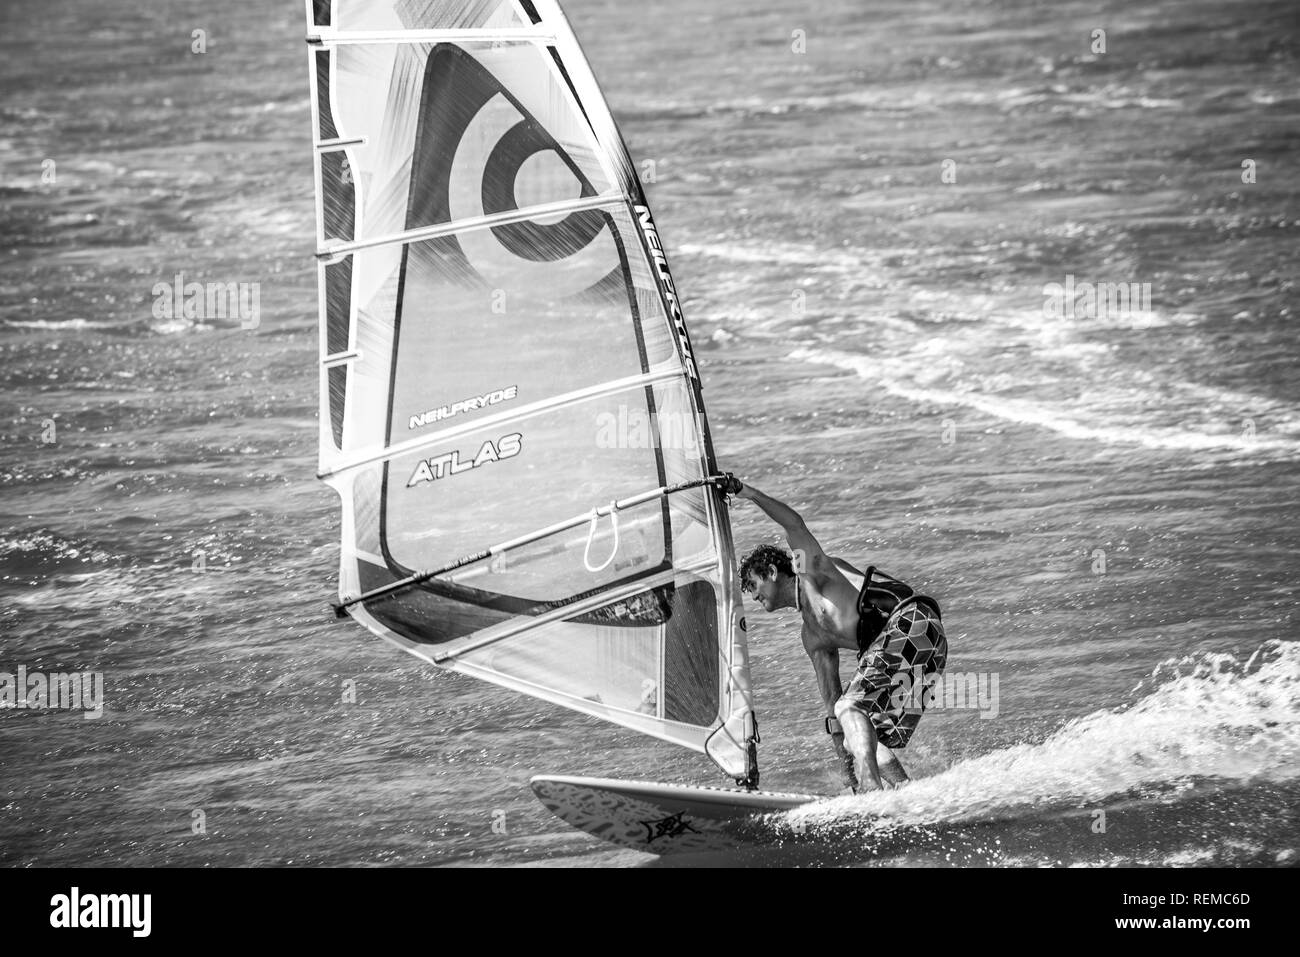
(896, 634)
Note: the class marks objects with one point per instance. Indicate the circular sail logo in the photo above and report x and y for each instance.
(479, 153)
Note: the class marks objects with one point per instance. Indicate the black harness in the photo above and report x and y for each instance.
(880, 597)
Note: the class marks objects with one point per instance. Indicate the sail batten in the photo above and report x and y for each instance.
(334, 250)
(328, 38)
(335, 143)
(508, 392)
(492, 636)
(552, 403)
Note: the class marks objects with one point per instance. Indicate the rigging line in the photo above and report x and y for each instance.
(591, 536)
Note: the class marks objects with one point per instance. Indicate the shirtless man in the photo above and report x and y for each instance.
(892, 630)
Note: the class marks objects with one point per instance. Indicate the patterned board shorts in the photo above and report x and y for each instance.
(894, 671)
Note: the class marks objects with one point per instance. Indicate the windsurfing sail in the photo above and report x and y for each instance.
(510, 409)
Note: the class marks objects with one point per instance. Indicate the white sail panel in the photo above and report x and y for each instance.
(502, 353)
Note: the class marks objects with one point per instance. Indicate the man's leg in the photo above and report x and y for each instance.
(847, 762)
(860, 739)
(890, 767)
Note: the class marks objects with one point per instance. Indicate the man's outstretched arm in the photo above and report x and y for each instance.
(796, 531)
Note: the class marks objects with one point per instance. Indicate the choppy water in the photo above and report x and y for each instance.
(874, 348)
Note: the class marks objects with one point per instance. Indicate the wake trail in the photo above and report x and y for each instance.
(1207, 716)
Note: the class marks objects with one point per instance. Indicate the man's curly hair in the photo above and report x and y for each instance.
(763, 556)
